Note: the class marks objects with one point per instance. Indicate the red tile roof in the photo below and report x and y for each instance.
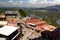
(40, 25)
(2, 16)
(36, 21)
(43, 26)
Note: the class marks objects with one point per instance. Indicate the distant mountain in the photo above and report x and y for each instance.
(51, 8)
(57, 7)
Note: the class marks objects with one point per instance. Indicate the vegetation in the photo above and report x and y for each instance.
(51, 20)
(49, 16)
(2, 11)
(22, 13)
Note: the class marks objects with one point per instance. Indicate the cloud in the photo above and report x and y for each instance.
(44, 1)
(11, 1)
(30, 3)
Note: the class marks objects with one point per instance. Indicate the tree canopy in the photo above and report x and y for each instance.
(22, 13)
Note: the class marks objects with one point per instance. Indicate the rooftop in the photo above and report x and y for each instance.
(2, 16)
(11, 12)
(40, 25)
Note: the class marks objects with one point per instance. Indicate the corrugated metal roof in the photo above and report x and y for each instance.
(11, 12)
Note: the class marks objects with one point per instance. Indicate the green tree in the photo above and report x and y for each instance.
(22, 13)
(2, 11)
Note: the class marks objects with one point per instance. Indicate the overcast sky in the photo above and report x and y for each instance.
(28, 3)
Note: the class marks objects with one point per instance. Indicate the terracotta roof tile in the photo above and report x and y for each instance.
(40, 25)
(2, 16)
